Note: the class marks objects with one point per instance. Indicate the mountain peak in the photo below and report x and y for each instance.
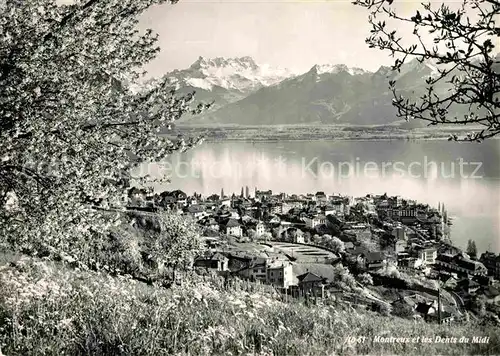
(335, 68)
(242, 74)
(221, 62)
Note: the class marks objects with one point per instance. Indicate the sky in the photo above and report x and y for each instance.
(294, 34)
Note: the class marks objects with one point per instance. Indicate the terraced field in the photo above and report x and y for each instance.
(302, 253)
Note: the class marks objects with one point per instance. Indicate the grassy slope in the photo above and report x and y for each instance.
(46, 309)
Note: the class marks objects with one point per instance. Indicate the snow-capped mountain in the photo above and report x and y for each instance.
(244, 92)
(328, 94)
(336, 68)
(240, 74)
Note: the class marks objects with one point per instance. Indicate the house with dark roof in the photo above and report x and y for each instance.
(292, 234)
(215, 261)
(209, 223)
(179, 197)
(460, 264)
(374, 260)
(196, 211)
(320, 196)
(310, 284)
(467, 286)
(254, 268)
(232, 227)
(492, 262)
(492, 293)
(449, 282)
(426, 309)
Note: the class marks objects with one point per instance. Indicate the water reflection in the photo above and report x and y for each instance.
(466, 177)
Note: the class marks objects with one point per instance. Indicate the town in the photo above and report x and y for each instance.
(386, 253)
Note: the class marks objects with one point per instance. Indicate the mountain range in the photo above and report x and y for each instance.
(247, 93)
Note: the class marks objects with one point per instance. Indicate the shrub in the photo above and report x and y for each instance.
(366, 279)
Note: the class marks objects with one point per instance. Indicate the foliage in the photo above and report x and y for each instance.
(466, 86)
(403, 310)
(479, 306)
(266, 236)
(49, 310)
(343, 278)
(177, 243)
(252, 234)
(471, 249)
(71, 127)
(333, 243)
(366, 279)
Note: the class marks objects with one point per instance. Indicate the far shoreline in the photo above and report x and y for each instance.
(327, 133)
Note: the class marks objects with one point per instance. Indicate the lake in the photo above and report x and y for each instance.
(463, 176)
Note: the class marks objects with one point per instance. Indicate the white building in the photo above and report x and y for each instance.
(313, 221)
(280, 274)
(233, 228)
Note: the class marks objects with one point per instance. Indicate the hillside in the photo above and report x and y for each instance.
(53, 310)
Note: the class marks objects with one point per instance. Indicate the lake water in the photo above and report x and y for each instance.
(463, 176)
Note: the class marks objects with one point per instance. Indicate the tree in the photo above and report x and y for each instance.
(252, 234)
(471, 249)
(177, 243)
(266, 236)
(333, 243)
(307, 237)
(72, 126)
(479, 306)
(366, 279)
(343, 278)
(402, 309)
(466, 86)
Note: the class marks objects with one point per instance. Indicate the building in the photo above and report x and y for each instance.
(407, 263)
(291, 204)
(399, 232)
(428, 255)
(260, 229)
(310, 284)
(280, 274)
(233, 228)
(374, 260)
(209, 223)
(492, 293)
(492, 262)
(321, 197)
(178, 197)
(196, 211)
(254, 269)
(215, 261)
(313, 221)
(293, 234)
(263, 194)
(460, 264)
(400, 246)
(468, 286)
(276, 208)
